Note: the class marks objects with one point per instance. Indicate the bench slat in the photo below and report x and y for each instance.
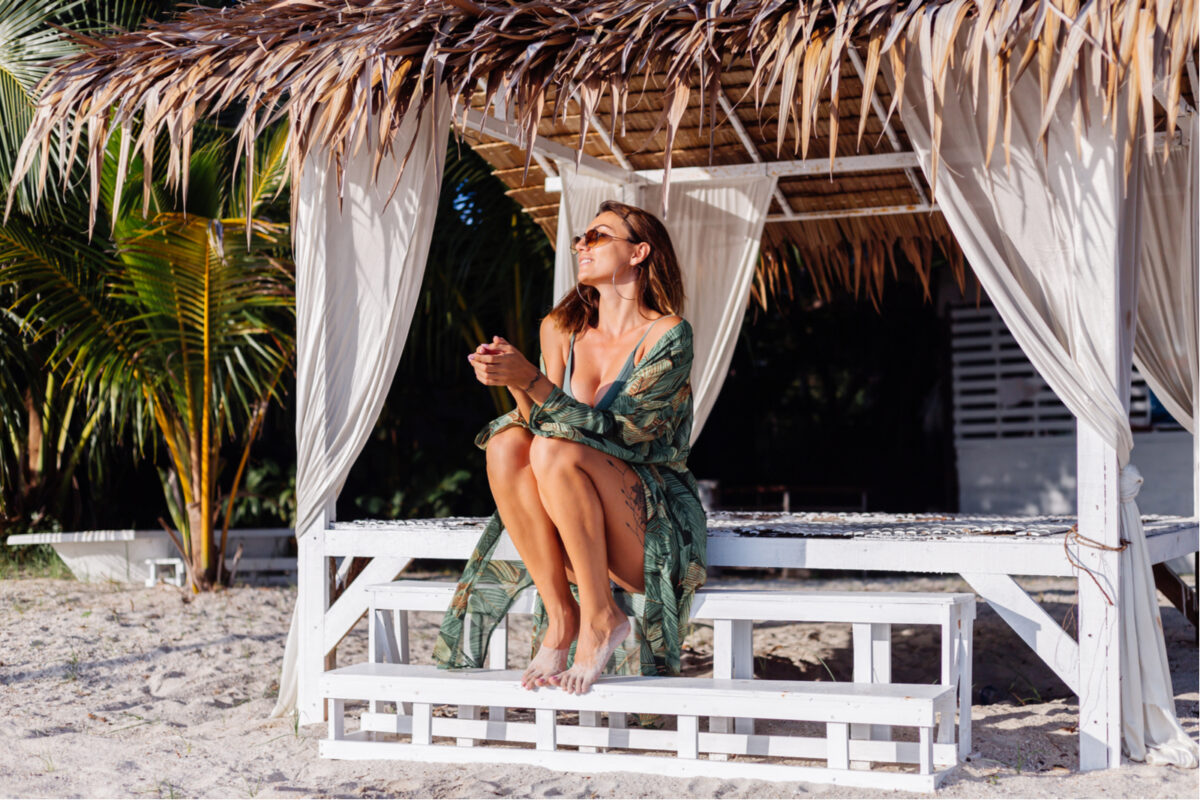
(894, 704)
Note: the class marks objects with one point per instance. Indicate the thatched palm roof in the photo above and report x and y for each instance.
(639, 84)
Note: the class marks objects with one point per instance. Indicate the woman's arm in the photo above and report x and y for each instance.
(554, 364)
(501, 364)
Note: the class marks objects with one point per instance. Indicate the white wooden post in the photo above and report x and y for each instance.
(312, 600)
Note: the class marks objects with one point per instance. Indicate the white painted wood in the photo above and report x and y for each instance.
(733, 651)
(312, 599)
(687, 737)
(926, 750)
(965, 685)
(1039, 630)
(1005, 555)
(1099, 683)
(337, 720)
(838, 742)
(512, 134)
(352, 603)
(358, 747)
(715, 744)
(422, 727)
(467, 712)
(589, 719)
(996, 389)
(749, 145)
(498, 659)
(781, 169)
(544, 719)
(846, 213)
(616, 720)
(873, 664)
(884, 120)
(892, 704)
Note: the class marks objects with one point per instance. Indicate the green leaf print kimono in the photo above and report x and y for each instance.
(647, 426)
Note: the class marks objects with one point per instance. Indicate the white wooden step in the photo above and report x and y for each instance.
(888, 704)
(753, 604)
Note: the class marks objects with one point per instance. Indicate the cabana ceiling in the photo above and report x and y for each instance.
(629, 86)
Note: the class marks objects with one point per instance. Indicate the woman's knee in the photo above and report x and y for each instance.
(549, 456)
(507, 453)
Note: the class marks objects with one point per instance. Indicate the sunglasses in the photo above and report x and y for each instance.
(596, 238)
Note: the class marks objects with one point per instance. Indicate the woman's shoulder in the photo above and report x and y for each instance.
(671, 325)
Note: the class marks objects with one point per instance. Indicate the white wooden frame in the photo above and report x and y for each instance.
(1096, 667)
(987, 563)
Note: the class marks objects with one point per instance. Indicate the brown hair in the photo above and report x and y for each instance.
(659, 282)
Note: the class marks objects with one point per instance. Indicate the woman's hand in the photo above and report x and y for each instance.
(501, 364)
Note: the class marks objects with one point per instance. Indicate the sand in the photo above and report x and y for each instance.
(110, 690)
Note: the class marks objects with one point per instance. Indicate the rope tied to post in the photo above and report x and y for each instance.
(1130, 484)
(1073, 535)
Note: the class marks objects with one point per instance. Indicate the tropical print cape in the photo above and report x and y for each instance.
(648, 426)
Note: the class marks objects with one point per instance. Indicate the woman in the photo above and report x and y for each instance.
(589, 471)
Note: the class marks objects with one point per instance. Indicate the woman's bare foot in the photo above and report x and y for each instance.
(596, 645)
(551, 657)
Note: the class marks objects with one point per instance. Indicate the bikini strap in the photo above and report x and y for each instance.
(644, 335)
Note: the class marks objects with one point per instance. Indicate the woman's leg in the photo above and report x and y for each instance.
(515, 491)
(598, 505)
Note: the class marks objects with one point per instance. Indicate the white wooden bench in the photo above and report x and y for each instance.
(927, 708)
(733, 612)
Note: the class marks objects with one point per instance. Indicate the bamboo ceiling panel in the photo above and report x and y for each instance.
(792, 69)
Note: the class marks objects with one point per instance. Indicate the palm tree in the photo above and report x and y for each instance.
(50, 424)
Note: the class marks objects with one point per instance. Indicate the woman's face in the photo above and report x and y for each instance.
(610, 255)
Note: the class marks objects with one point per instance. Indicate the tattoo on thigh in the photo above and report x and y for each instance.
(635, 500)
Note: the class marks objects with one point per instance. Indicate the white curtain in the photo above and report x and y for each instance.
(1165, 349)
(358, 274)
(716, 227)
(1040, 236)
(582, 194)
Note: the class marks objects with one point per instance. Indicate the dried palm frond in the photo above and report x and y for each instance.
(346, 73)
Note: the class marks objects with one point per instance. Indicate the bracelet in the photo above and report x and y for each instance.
(529, 387)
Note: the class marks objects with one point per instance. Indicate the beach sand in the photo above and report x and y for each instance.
(108, 690)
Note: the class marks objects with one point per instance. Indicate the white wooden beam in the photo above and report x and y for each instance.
(1099, 599)
(611, 144)
(877, 107)
(751, 148)
(841, 213)
(510, 133)
(782, 169)
(1031, 623)
(352, 604)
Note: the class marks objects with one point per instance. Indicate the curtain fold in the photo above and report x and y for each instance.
(1042, 235)
(358, 276)
(582, 193)
(716, 227)
(1165, 348)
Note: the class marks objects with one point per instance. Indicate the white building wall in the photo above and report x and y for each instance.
(1036, 474)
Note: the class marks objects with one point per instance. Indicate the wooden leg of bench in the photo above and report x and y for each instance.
(381, 644)
(872, 664)
(688, 730)
(422, 723)
(964, 689)
(467, 712)
(925, 749)
(838, 742)
(498, 659)
(589, 719)
(400, 636)
(545, 733)
(733, 657)
(616, 719)
(337, 719)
